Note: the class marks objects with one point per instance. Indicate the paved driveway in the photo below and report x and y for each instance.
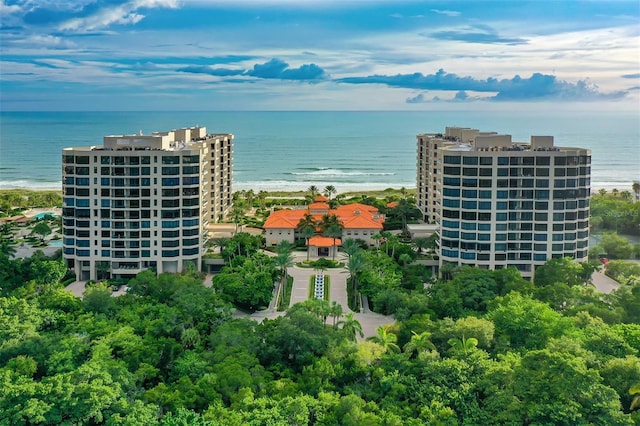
(338, 293)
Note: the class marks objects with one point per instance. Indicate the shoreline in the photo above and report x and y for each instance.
(292, 186)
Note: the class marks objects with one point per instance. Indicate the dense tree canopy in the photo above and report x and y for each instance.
(484, 347)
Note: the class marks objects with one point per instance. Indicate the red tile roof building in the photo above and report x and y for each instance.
(360, 221)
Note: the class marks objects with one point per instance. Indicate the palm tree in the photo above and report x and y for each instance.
(385, 235)
(262, 199)
(336, 311)
(334, 231)
(42, 229)
(403, 191)
(350, 246)
(331, 227)
(6, 229)
(385, 339)
(351, 327)
(284, 260)
(636, 190)
(7, 248)
(329, 190)
(313, 191)
(307, 228)
(421, 244)
(237, 213)
(377, 237)
(249, 196)
(403, 209)
(393, 241)
(463, 345)
(419, 343)
(307, 232)
(307, 220)
(448, 270)
(405, 258)
(355, 265)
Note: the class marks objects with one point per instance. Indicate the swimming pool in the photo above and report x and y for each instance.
(42, 215)
(55, 243)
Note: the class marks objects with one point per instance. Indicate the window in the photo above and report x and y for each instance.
(486, 161)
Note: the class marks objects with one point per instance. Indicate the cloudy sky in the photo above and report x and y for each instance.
(316, 55)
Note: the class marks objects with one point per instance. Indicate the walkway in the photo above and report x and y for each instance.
(603, 283)
(338, 293)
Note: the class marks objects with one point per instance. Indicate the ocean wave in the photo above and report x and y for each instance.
(329, 172)
(287, 185)
(29, 184)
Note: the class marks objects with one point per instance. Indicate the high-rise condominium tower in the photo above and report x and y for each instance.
(499, 203)
(143, 201)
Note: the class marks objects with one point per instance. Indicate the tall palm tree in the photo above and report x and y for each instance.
(386, 339)
(329, 190)
(249, 196)
(307, 220)
(313, 191)
(351, 327)
(307, 232)
(307, 228)
(385, 235)
(350, 246)
(334, 231)
(237, 213)
(419, 343)
(331, 226)
(262, 199)
(377, 237)
(403, 209)
(355, 265)
(336, 311)
(393, 241)
(284, 260)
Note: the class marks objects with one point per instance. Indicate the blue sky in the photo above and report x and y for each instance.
(317, 55)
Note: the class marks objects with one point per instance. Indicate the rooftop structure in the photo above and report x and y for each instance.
(499, 203)
(143, 201)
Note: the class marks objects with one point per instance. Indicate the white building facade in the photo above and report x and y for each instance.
(143, 201)
(499, 203)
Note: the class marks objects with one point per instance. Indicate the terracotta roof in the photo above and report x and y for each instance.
(279, 222)
(284, 219)
(361, 222)
(320, 241)
(392, 204)
(356, 206)
(319, 206)
(363, 219)
(320, 199)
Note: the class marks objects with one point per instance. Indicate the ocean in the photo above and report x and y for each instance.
(294, 150)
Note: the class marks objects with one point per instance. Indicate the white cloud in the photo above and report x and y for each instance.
(124, 14)
(446, 12)
(9, 9)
